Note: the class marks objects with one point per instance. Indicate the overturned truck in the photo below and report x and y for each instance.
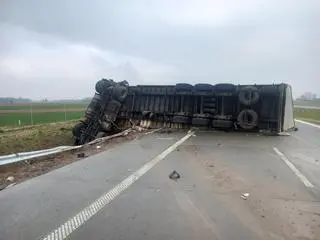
(227, 107)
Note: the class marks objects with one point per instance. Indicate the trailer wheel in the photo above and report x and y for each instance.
(184, 87)
(180, 118)
(248, 119)
(249, 95)
(77, 131)
(120, 93)
(205, 87)
(225, 87)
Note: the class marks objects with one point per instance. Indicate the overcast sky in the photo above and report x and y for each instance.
(60, 48)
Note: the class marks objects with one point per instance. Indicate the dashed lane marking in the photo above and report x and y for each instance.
(302, 178)
(64, 230)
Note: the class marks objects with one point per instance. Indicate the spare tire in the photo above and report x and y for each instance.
(249, 95)
(248, 119)
(120, 93)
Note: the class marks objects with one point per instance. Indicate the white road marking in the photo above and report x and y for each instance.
(307, 123)
(302, 178)
(84, 215)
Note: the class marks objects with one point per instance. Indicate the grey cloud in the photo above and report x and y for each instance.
(277, 42)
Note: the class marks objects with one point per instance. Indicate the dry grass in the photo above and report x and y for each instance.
(36, 138)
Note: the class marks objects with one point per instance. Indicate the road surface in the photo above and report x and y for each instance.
(125, 192)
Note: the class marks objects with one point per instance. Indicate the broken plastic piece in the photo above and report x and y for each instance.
(174, 175)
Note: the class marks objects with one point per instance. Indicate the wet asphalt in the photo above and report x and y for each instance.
(216, 168)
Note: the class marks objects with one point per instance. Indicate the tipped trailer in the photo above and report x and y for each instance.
(225, 107)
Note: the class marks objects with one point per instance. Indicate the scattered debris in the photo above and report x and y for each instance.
(98, 147)
(219, 144)
(10, 178)
(174, 175)
(245, 196)
(81, 155)
(211, 165)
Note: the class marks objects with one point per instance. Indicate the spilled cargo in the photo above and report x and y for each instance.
(227, 107)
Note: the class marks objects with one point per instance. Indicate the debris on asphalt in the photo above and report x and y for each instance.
(174, 175)
(81, 155)
(10, 178)
(245, 196)
(219, 144)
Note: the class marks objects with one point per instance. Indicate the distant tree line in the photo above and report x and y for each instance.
(11, 100)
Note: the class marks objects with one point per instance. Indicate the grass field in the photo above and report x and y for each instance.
(36, 106)
(10, 115)
(12, 119)
(307, 114)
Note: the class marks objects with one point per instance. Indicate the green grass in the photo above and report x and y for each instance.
(12, 119)
(41, 106)
(307, 114)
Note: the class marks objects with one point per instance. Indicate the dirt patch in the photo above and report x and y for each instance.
(21, 171)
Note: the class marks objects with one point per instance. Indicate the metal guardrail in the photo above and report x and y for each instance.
(12, 158)
(17, 157)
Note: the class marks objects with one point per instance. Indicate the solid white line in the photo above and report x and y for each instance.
(302, 178)
(91, 210)
(307, 123)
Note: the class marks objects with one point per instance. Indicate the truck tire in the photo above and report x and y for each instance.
(247, 119)
(102, 85)
(249, 95)
(181, 118)
(184, 87)
(94, 106)
(112, 110)
(204, 87)
(120, 93)
(224, 87)
(77, 131)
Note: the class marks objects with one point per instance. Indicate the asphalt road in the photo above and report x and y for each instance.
(216, 168)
